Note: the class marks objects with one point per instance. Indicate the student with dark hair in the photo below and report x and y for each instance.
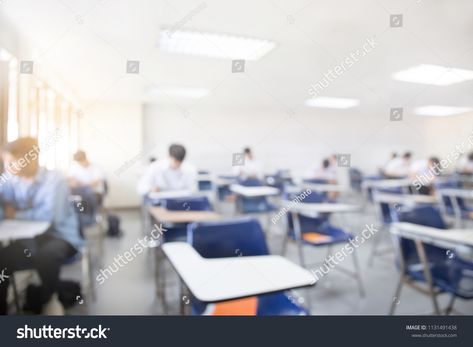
(30, 192)
(84, 174)
(466, 165)
(168, 174)
(398, 167)
(249, 168)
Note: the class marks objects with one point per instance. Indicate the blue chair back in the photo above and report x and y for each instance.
(427, 216)
(315, 181)
(194, 203)
(250, 182)
(230, 238)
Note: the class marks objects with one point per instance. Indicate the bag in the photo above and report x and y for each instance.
(113, 226)
(69, 294)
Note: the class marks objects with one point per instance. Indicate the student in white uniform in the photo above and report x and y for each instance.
(398, 167)
(84, 174)
(169, 174)
(466, 165)
(250, 169)
(326, 172)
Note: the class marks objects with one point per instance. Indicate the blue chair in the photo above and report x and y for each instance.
(239, 237)
(204, 184)
(223, 191)
(440, 269)
(356, 177)
(453, 206)
(318, 232)
(257, 204)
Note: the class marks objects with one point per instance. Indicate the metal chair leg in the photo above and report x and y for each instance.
(427, 274)
(284, 244)
(160, 278)
(374, 249)
(397, 294)
(358, 274)
(16, 296)
(449, 308)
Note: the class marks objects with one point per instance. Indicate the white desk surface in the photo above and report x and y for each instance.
(442, 237)
(253, 191)
(171, 194)
(14, 229)
(461, 193)
(165, 216)
(387, 183)
(324, 187)
(404, 198)
(219, 279)
(311, 209)
(205, 177)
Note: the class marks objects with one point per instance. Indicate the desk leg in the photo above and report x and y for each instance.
(427, 274)
(298, 234)
(185, 302)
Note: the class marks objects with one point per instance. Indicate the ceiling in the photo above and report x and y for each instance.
(87, 42)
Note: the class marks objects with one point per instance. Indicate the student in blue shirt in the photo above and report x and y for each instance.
(29, 192)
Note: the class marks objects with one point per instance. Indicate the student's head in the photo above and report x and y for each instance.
(470, 156)
(325, 163)
(21, 157)
(407, 156)
(81, 158)
(177, 153)
(248, 152)
(434, 162)
(393, 155)
(152, 159)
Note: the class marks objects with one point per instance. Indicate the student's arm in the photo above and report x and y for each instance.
(146, 182)
(52, 203)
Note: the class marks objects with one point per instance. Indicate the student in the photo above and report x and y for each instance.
(84, 174)
(382, 170)
(398, 167)
(250, 168)
(424, 175)
(466, 165)
(169, 174)
(30, 192)
(324, 172)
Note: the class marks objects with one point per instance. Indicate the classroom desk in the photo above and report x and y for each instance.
(386, 183)
(325, 187)
(165, 216)
(252, 192)
(13, 229)
(452, 194)
(173, 194)
(314, 209)
(404, 199)
(446, 238)
(220, 279)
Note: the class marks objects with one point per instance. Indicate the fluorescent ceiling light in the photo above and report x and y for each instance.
(214, 45)
(180, 92)
(439, 111)
(328, 102)
(433, 74)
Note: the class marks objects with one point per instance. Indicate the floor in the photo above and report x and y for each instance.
(131, 289)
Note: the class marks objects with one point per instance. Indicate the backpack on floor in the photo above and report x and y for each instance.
(113, 226)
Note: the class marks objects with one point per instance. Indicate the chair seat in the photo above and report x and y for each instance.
(277, 304)
(256, 205)
(328, 235)
(455, 277)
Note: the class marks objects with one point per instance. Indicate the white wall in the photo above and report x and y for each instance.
(111, 134)
(212, 135)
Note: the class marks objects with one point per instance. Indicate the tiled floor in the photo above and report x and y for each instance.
(131, 289)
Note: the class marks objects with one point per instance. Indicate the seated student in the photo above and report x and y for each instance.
(31, 192)
(87, 181)
(424, 174)
(398, 167)
(324, 172)
(169, 174)
(251, 168)
(466, 165)
(382, 170)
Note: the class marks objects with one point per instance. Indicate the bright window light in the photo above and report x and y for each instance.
(433, 74)
(328, 102)
(180, 92)
(214, 45)
(440, 111)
